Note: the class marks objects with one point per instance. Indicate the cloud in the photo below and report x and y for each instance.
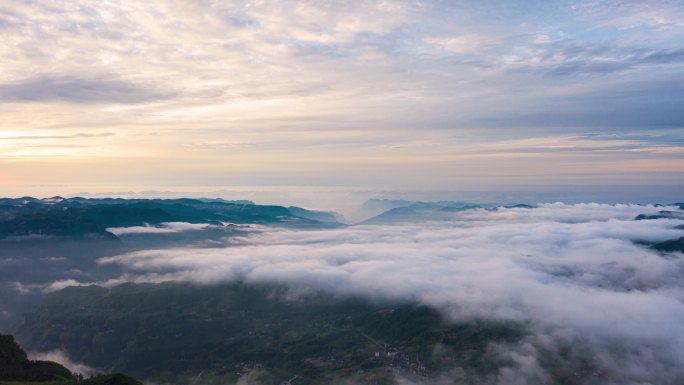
(38, 136)
(69, 282)
(572, 272)
(76, 89)
(197, 86)
(162, 228)
(22, 289)
(62, 357)
(61, 284)
(591, 62)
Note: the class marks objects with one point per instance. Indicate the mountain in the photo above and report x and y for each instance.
(375, 207)
(15, 365)
(319, 216)
(181, 333)
(43, 241)
(663, 214)
(90, 218)
(16, 368)
(420, 211)
(670, 246)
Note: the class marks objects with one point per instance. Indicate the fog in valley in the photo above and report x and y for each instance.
(587, 282)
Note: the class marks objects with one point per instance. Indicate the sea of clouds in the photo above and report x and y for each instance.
(163, 228)
(578, 275)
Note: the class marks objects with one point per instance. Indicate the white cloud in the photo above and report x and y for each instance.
(61, 357)
(571, 271)
(61, 284)
(24, 288)
(462, 44)
(162, 228)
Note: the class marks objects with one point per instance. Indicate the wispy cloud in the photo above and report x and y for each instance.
(77, 90)
(39, 136)
(193, 85)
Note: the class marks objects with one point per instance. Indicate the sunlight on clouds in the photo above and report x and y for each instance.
(222, 90)
(559, 143)
(74, 146)
(468, 43)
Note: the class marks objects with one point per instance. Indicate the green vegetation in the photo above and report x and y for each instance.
(80, 217)
(670, 246)
(216, 334)
(663, 214)
(17, 369)
(15, 365)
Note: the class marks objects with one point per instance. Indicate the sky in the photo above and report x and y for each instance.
(535, 96)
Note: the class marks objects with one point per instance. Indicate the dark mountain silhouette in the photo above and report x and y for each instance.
(15, 366)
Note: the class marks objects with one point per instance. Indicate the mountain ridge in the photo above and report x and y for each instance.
(90, 217)
(17, 368)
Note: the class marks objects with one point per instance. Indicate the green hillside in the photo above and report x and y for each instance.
(176, 332)
(17, 369)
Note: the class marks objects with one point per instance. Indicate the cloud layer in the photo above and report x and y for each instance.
(163, 228)
(572, 272)
(442, 95)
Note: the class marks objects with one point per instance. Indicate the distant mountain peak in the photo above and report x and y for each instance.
(54, 199)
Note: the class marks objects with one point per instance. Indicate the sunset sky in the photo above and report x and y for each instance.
(379, 95)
